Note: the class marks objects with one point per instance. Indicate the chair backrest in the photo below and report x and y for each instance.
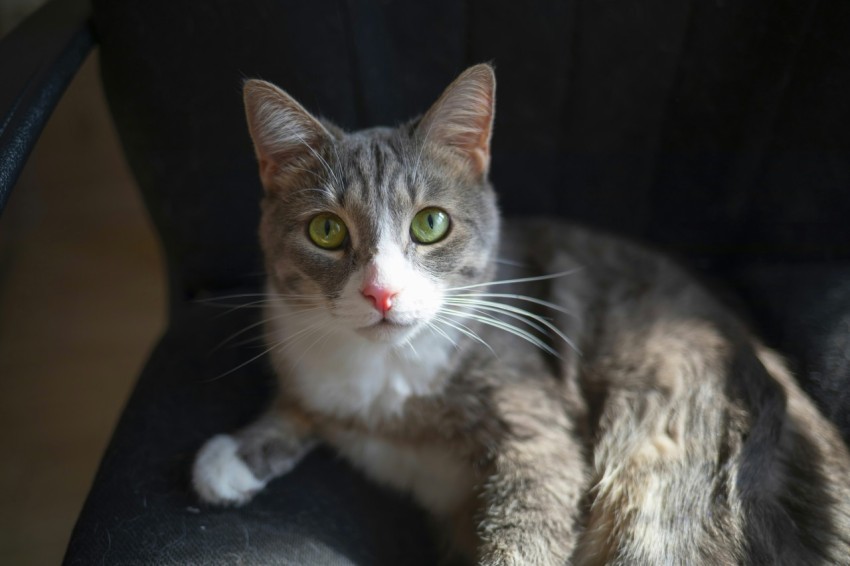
(715, 129)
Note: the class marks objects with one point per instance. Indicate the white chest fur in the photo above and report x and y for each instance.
(346, 376)
(436, 478)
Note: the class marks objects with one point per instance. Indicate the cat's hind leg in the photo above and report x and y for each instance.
(660, 490)
(709, 462)
(231, 469)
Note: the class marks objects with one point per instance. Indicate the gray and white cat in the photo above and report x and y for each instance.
(584, 402)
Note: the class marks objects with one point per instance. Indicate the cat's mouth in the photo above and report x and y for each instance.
(386, 330)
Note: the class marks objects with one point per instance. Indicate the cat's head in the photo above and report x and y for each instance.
(368, 231)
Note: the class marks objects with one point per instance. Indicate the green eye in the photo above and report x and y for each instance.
(327, 231)
(430, 225)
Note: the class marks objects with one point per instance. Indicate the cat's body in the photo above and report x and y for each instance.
(624, 417)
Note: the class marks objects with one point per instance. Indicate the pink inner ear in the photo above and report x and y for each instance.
(462, 118)
(284, 132)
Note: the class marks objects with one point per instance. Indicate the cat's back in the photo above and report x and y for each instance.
(548, 245)
(674, 383)
(598, 276)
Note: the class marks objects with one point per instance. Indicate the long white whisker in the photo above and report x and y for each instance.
(547, 304)
(502, 325)
(460, 327)
(505, 261)
(310, 347)
(520, 280)
(434, 328)
(274, 346)
(265, 302)
(270, 297)
(483, 309)
(215, 300)
(409, 343)
(243, 364)
(264, 321)
(491, 305)
(249, 341)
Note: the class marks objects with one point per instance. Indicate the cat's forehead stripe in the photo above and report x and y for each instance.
(376, 187)
(380, 165)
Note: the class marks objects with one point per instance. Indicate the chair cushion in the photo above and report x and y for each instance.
(141, 509)
(803, 311)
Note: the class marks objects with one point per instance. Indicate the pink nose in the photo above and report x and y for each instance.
(381, 297)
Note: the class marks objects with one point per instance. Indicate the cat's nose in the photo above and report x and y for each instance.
(381, 297)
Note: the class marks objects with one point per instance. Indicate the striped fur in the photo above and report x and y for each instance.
(551, 395)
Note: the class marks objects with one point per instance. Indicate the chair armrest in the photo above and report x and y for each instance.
(37, 61)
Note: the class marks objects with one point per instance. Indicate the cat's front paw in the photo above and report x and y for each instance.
(220, 476)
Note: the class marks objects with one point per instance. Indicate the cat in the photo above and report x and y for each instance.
(550, 395)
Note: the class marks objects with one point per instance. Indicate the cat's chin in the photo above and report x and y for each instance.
(388, 332)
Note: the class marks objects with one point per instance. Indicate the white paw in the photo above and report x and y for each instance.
(220, 476)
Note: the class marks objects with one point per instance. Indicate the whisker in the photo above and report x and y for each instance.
(250, 341)
(460, 327)
(409, 343)
(308, 348)
(505, 261)
(547, 304)
(269, 296)
(225, 297)
(502, 325)
(520, 280)
(483, 309)
(441, 332)
(271, 348)
(501, 307)
(265, 303)
(262, 322)
(243, 364)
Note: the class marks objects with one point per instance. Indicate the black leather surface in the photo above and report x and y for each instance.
(714, 130)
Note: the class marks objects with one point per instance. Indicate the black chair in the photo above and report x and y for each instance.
(715, 131)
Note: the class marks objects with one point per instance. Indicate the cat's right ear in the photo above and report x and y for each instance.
(285, 135)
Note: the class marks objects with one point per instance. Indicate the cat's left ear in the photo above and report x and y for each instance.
(462, 118)
(286, 137)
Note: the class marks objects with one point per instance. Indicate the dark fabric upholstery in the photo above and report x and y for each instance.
(803, 310)
(714, 130)
(141, 509)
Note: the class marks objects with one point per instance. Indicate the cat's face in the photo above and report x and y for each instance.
(367, 232)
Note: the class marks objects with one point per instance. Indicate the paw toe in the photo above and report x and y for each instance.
(220, 476)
